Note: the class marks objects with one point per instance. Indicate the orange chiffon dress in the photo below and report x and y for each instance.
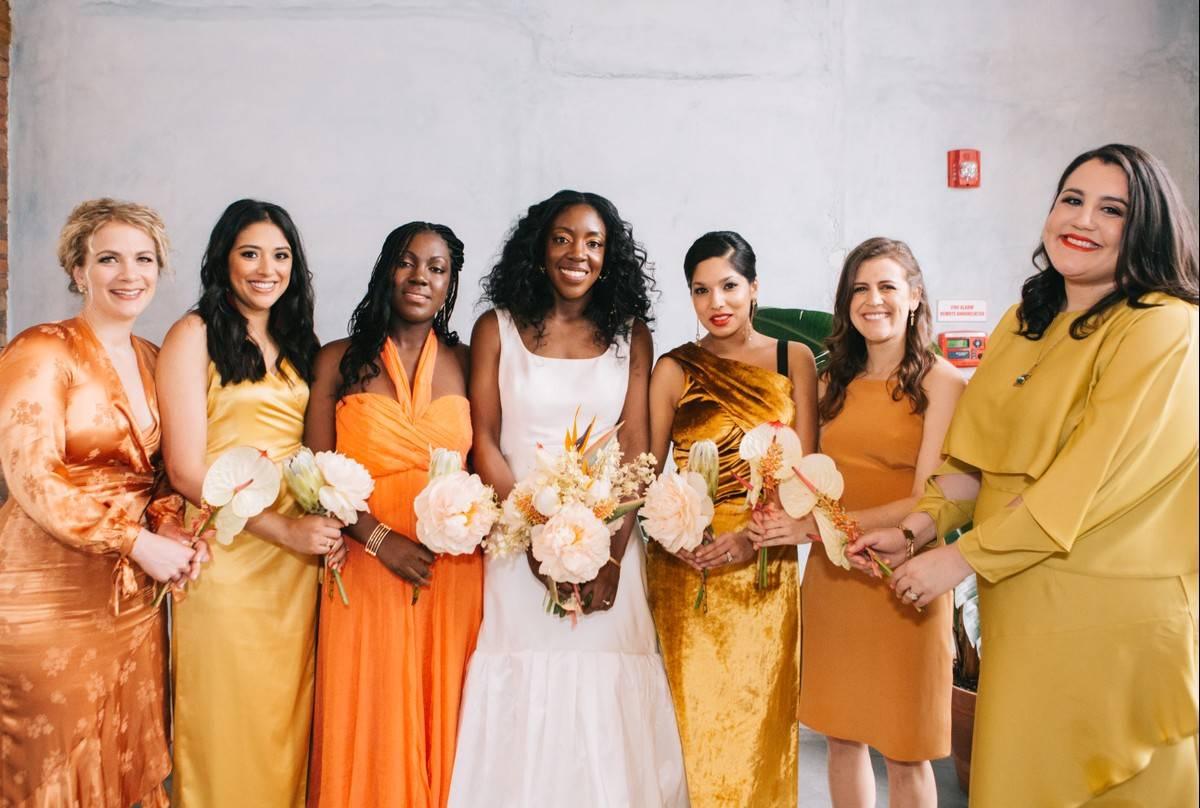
(82, 663)
(390, 672)
(873, 669)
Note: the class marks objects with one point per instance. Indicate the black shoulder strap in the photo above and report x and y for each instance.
(781, 357)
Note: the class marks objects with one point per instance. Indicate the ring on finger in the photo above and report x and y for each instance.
(912, 596)
(728, 556)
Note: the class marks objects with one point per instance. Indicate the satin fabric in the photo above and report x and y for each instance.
(245, 635)
(733, 668)
(82, 664)
(556, 712)
(1088, 583)
(389, 672)
(873, 669)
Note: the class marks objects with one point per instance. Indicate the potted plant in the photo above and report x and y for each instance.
(966, 678)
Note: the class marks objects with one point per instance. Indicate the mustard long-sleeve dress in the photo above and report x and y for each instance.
(1088, 582)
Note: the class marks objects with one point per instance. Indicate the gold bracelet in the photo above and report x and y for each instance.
(376, 539)
(612, 560)
(910, 542)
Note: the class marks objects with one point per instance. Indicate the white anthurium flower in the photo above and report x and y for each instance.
(244, 477)
(347, 486)
(756, 447)
(820, 470)
(227, 524)
(834, 540)
(546, 501)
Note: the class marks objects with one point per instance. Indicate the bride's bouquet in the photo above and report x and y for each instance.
(330, 484)
(678, 512)
(568, 507)
(455, 510)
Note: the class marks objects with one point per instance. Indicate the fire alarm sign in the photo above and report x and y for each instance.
(962, 168)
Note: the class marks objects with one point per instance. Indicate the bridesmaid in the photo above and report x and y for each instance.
(874, 672)
(384, 396)
(734, 690)
(82, 661)
(235, 371)
(1074, 454)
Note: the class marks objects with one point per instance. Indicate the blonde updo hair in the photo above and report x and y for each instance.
(75, 240)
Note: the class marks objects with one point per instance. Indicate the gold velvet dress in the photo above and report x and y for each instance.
(245, 636)
(733, 669)
(1087, 586)
(82, 663)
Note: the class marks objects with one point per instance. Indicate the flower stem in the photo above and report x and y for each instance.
(337, 579)
(702, 593)
(762, 568)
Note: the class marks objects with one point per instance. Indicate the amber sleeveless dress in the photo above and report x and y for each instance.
(873, 669)
(245, 635)
(389, 672)
(82, 663)
(733, 669)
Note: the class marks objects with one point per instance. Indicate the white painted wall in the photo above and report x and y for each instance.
(807, 125)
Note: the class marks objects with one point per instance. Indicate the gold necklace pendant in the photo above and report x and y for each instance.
(1024, 377)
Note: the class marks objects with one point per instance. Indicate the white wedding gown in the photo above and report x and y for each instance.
(555, 714)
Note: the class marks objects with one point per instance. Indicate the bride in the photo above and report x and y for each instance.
(553, 711)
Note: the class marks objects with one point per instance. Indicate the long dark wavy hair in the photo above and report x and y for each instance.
(1157, 253)
(290, 323)
(847, 348)
(373, 316)
(517, 284)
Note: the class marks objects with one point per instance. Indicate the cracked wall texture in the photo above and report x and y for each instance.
(807, 125)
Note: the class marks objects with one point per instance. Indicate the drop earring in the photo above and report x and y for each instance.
(912, 318)
(697, 330)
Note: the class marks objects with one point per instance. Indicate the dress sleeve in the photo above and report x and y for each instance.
(1138, 429)
(947, 514)
(35, 374)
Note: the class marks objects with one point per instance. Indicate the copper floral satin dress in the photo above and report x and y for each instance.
(733, 668)
(81, 658)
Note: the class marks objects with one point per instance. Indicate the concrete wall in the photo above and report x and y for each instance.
(807, 125)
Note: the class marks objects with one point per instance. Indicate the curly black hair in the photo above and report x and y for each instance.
(621, 294)
(374, 315)
(1158, 248)
(290, 323)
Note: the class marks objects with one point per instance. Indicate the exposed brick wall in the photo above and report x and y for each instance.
(5, 49)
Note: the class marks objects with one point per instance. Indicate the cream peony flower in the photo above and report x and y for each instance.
(572, 546)
(677, 510)
(455, 511)
(347, 485)
(241, 483)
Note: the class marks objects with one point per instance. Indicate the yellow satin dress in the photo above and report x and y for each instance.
(1088, 583)
(733, 668)
(245, 635)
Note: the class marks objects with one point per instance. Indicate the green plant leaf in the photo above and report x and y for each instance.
(807, 326)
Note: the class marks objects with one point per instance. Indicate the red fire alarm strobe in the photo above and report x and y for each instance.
(962, 168)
